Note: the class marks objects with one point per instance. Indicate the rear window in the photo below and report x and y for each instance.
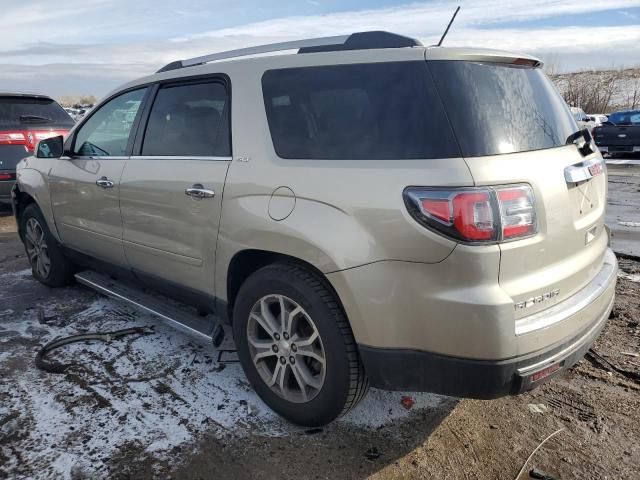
(625, 118)
(361, 111)
(32, 111)
(496, 108)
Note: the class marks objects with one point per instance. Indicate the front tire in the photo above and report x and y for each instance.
(48, 263)
(296, 346)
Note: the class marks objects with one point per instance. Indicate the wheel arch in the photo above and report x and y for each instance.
(246, 262)
(21, 201)
(33, 187)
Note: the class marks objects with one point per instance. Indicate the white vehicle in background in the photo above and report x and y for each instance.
(597, 119)
(581, 118)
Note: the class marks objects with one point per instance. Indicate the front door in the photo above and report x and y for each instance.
(85, 186)
(171, 192)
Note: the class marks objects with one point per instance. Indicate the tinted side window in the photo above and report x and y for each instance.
(362, 111)
(189, 120)
(106, 132)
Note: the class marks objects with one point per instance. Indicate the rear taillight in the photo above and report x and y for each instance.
(517, 212)
(28, 138)
(475, 215)
(7, 176)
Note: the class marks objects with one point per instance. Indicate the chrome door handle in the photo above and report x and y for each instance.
(104, 182)
(198, 191)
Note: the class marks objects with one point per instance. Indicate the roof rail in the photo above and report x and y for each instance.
(355, 41)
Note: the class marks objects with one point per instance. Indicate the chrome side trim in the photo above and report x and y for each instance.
(573, 304)
(174, 157)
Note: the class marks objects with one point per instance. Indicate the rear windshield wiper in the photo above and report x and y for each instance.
(37, 118)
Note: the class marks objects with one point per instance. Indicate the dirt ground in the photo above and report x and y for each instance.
(162, 406)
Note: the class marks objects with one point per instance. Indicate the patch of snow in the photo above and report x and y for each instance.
(380, 407)
(156, 391)
(633, 277)
(21, 273)
(629, 224)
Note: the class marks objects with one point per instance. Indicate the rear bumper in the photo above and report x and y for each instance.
(460, 377)
(416, 370)
(619, 148)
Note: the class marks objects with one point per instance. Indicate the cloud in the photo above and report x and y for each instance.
(630, 15)
(79, 50)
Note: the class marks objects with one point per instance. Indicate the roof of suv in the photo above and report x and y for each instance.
(357, 47)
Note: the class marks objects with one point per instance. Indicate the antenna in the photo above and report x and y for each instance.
(449, 26)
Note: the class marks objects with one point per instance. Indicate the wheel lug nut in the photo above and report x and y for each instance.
(283, 360)
(276, 336)
(294, 348)
(285, 335)
(292, 359)
(274, 348)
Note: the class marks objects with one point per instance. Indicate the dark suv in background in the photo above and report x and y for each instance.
(25, 119)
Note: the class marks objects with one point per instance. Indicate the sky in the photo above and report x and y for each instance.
(89, 47)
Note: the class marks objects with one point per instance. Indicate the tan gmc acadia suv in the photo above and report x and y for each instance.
(364, 211)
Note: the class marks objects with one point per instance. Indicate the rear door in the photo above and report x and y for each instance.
(513, 128)
(85, 186)
(171, 191)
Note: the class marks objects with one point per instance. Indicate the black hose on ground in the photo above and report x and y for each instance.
(56, 367)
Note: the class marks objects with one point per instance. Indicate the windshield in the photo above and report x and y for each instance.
(578, 114)
(497, 108)
(625, 118)
(32, 111)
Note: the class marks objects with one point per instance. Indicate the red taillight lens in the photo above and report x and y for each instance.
(475, 215)
(439, 208)
(7, 176)
(13, 138)
(28, 138)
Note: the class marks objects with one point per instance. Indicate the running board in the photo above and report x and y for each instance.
(207, 327)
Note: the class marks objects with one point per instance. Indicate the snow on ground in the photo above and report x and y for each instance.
(148, 393)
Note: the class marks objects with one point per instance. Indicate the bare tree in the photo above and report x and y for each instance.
(592, 93)
(633, 96)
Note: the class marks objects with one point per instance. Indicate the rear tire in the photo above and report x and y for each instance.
(48, 263)
(315, 382)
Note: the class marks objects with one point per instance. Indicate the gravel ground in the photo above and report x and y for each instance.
(162, 405)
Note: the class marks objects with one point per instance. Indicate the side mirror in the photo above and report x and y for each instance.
(51, 147)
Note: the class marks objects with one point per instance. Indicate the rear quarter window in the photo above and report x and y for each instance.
(358, 111)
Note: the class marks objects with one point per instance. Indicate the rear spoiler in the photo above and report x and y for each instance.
(482, 55)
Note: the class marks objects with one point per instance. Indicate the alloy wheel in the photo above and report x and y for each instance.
(37, 249)
(286, 348)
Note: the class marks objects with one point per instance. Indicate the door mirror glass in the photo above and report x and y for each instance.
(51, 147)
